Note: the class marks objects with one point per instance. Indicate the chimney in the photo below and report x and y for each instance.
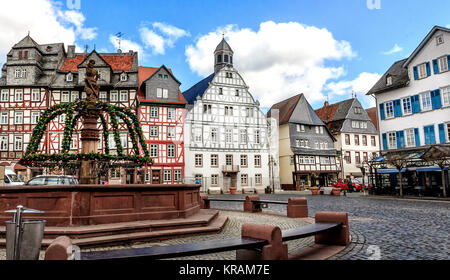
(71, 51)
(326, 104)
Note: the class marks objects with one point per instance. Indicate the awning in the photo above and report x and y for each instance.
(430, 169)
(389, 171)
(19, 167)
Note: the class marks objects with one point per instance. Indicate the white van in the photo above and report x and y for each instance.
(11, 178)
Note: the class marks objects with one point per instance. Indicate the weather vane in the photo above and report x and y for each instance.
(119, 38)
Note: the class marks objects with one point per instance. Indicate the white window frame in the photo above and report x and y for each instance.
(154, 150)
(422, 70)
(257, 137)
(171, 150)
(74, 142)
(65, 97)
(214, 160)
(407, 102)
(198, 160)
(154, 112)
(243, 136)
(167, 175)
(177, 175)
(124, 140)
(114, 96)
(4, 95)
(388, 80)
(244, 179)
(410, 138)
(257, 160)
(153, 131)
(171, 113)
(228, 136)
(4, 118)
(18, 115)
(35, 115)
(69, 77)
(214, 179)
(35, 95)
(392, 140)
(74, 96)
(18, 143)
(244, 160)
(4, 139)
(17, 73)
(103, 96)
(214, 135)
(443, 64)
(123, 77)
(258, 179)
(445, 91)
(123, 96)
(389, 108)
(171, 132)
(428, 102)
(18, 95)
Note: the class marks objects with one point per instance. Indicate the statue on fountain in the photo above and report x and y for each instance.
(91, 87)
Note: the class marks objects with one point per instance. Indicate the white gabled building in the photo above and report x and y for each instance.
(226, 133)
(413, 96)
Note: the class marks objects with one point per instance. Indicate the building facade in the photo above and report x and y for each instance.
(36, 77)
(307, 154)
(356, 135)
(226, 144)
(162, 115)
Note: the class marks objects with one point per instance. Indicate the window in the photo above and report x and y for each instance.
(177, 175)
(75, 96)
(62, 119)
(198, 160)
(153, 131)
(207, 109)
(292, 160)
(228, 111)
(357, 140)
(65, 97)
(214, 179)
(219, 58)
(18, 143)
(316, 144)
(35, 117)
(297, 143)
(392, 140)
(389, 109)
(229, 135)
(257, 161)
(443, 64)
(3, 142)
(154, 112)
(244, 179)
(257, 137)
(214, 135)
(5, 95)
(389, 80)
(162, 93)
(410, 137)
(446, 96)
(298, 128)
(220, 91)
(348, 157)
(237, 93)
(167, 175)
(229, 160)
(114, 96)
(69, 77)
(355, 124)
(244, 162)
(426, 101)
(124, 96)
(439, 39)
(18, 117)
(18, 95)
(244, 136)
(347, 139)
(17, 73)
(171, 113)
(123, 77)
(321, 130)
(171, 132)
(373, 141)
(154, 150)
(364, 140)
(74, 142)
(170, 150)
(103, 96)
(325, 160)
(166, 76)
(198, 135)
(358, 110)
(4, 118)
(249, 112)
(422, 71)
(317, 130)
(363, 125)
(258, 179)
(365, 157)
(124, 140)
(35, 95)
(357, 158)
(214, 160)
(407, 109)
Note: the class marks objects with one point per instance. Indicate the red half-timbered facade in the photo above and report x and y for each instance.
(162, 114)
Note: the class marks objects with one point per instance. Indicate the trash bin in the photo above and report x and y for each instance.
(24, 237)
(30, 240)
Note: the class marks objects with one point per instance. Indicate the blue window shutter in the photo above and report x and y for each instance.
(435, 66)
(415, 104)
(430, 137)
(417, 137)
(448, 59)
(428, 69)
(442, 133)
(416, 73)
(400, 139)
(436, 99)
(397, 108)
(382, 115)
(385, 144)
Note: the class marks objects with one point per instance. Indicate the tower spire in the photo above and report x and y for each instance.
(223, 55)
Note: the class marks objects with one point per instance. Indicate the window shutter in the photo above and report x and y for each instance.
(415, 104)
(382, 115)
(448, 59)
(430, 138)
(417, 137)
(442, 133)
(436, 99)
(400, 139)
(428, 69)
(435, 66)
(397, 108)
(385, 143)
(416, 73)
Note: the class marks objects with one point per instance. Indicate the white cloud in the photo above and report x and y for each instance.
(161, 36)
(45, 20)
(360, 86)
(448, 26)
(395, 49)
(277, 61)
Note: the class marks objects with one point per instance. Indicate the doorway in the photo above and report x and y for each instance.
(130, 177)
(156, 176)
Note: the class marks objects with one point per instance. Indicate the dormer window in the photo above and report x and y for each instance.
(389, 80)
(123, 77)
(69, 77)
(440, 39)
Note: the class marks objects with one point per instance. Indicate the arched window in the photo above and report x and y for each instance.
(219, 58)
(225, 58)
(231, 59)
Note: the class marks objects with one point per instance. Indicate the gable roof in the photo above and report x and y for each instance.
(198, 89)
(26, 42)
(117, 62)
(296, 110)
(335, 112)
(399, 76)
(372, 112)
(285, 108)
(423, 43)
(157, 69)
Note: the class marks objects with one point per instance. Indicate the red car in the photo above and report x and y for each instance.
(350, 185)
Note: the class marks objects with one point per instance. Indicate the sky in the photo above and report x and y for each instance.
(325, 49)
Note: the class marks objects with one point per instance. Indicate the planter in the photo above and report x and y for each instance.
(314, 191)
(336, 191)
(233, 190)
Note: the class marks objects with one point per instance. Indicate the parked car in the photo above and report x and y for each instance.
(52, 180)
(345, 183)
(11, 178)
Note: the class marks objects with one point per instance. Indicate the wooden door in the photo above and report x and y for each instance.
(156, 176)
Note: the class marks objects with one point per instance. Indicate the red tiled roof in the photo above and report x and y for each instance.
(145, 73)
(372, 112)
(117, 62)
(326, 113)
(286, 108)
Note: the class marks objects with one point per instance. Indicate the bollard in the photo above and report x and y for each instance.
(59, 249)
(276, 250)
(249, 206)
(204, 202)
(297, 207)
(337, 237)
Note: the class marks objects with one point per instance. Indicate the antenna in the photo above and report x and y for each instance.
(223, 33)
(119, 38)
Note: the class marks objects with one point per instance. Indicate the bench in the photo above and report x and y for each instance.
(257, 242)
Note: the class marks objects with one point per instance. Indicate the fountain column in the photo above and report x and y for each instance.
(89, 142)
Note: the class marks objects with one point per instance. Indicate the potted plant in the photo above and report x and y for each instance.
(314, 190)
(336, 191)
(233, 190)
